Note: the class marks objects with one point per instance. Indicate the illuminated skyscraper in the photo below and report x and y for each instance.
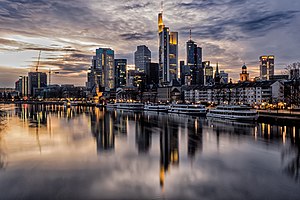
(266, 67)
(209, 72)
(142, 58)
(194, 61)
(102, 73)
(120, 72)
(36, 80)
(168, 52)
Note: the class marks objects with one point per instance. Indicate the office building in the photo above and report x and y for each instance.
(194, 61)
(153, 75)
(101, 75)
(120, 72)
(168, 52)
(224, 77)
(36, 81)
(266, 67)
(142, 58)
(208, 73)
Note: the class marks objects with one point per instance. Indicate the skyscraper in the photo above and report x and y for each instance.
(142, 58)
(168, 52)
(36, 80)
(209, 72)
(224, 77)
(102, 73)
(173, 55)
(152, 77)
(120, 72)
(266, 67)
(194, 61)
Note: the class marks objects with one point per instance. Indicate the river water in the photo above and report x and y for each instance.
(89, 153)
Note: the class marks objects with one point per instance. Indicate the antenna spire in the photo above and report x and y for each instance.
(190, 34)
(161, 6)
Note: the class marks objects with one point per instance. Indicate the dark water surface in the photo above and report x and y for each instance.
(88, 153)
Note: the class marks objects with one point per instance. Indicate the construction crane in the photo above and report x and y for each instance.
(38, 62)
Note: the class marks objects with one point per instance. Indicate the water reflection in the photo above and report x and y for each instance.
(291, 155)
(170, 141)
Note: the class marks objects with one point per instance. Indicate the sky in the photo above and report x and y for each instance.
(231, 32)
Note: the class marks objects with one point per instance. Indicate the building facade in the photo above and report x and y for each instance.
(244, 76)
(36, 81)
(266, 67)
(168, 52)
(194, 61)
(142, 58)
(120, 72)
(101, 75)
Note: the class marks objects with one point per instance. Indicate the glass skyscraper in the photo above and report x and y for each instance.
(120, 72)
(194, 61)
(142, 58)
(168, 52)
(266, 67)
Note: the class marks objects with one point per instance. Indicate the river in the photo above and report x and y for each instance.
(50, 152)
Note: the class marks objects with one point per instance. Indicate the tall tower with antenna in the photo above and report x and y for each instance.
(168, 51)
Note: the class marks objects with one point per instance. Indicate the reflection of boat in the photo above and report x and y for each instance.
(233, 112)
(156, 107)
(192, 109)
(130, 106)
(111, 105)
(67, 104)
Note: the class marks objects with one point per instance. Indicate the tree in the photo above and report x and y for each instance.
(292, 95)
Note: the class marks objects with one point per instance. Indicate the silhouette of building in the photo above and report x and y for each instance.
(194, 61)
(120, 72)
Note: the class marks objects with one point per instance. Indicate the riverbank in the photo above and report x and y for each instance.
(279, 116)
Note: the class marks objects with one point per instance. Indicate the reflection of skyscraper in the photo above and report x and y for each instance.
(103, 131)
(143, 136)
(121, 124)
(169, 150)
(194, 138)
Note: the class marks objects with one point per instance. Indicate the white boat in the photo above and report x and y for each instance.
(156, 107)
(190, 109)
(130, 106)
(233, 112)
(111, 105)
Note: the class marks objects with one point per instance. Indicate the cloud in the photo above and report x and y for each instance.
(138, 36)
(230, 31)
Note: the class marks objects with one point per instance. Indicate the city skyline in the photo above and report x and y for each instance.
(230, 32)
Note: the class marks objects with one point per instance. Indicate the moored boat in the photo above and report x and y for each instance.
(233, 112)
(156, 107)
(189, 109)
(130, 106)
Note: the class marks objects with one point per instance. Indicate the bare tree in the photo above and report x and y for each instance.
(292, 94)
